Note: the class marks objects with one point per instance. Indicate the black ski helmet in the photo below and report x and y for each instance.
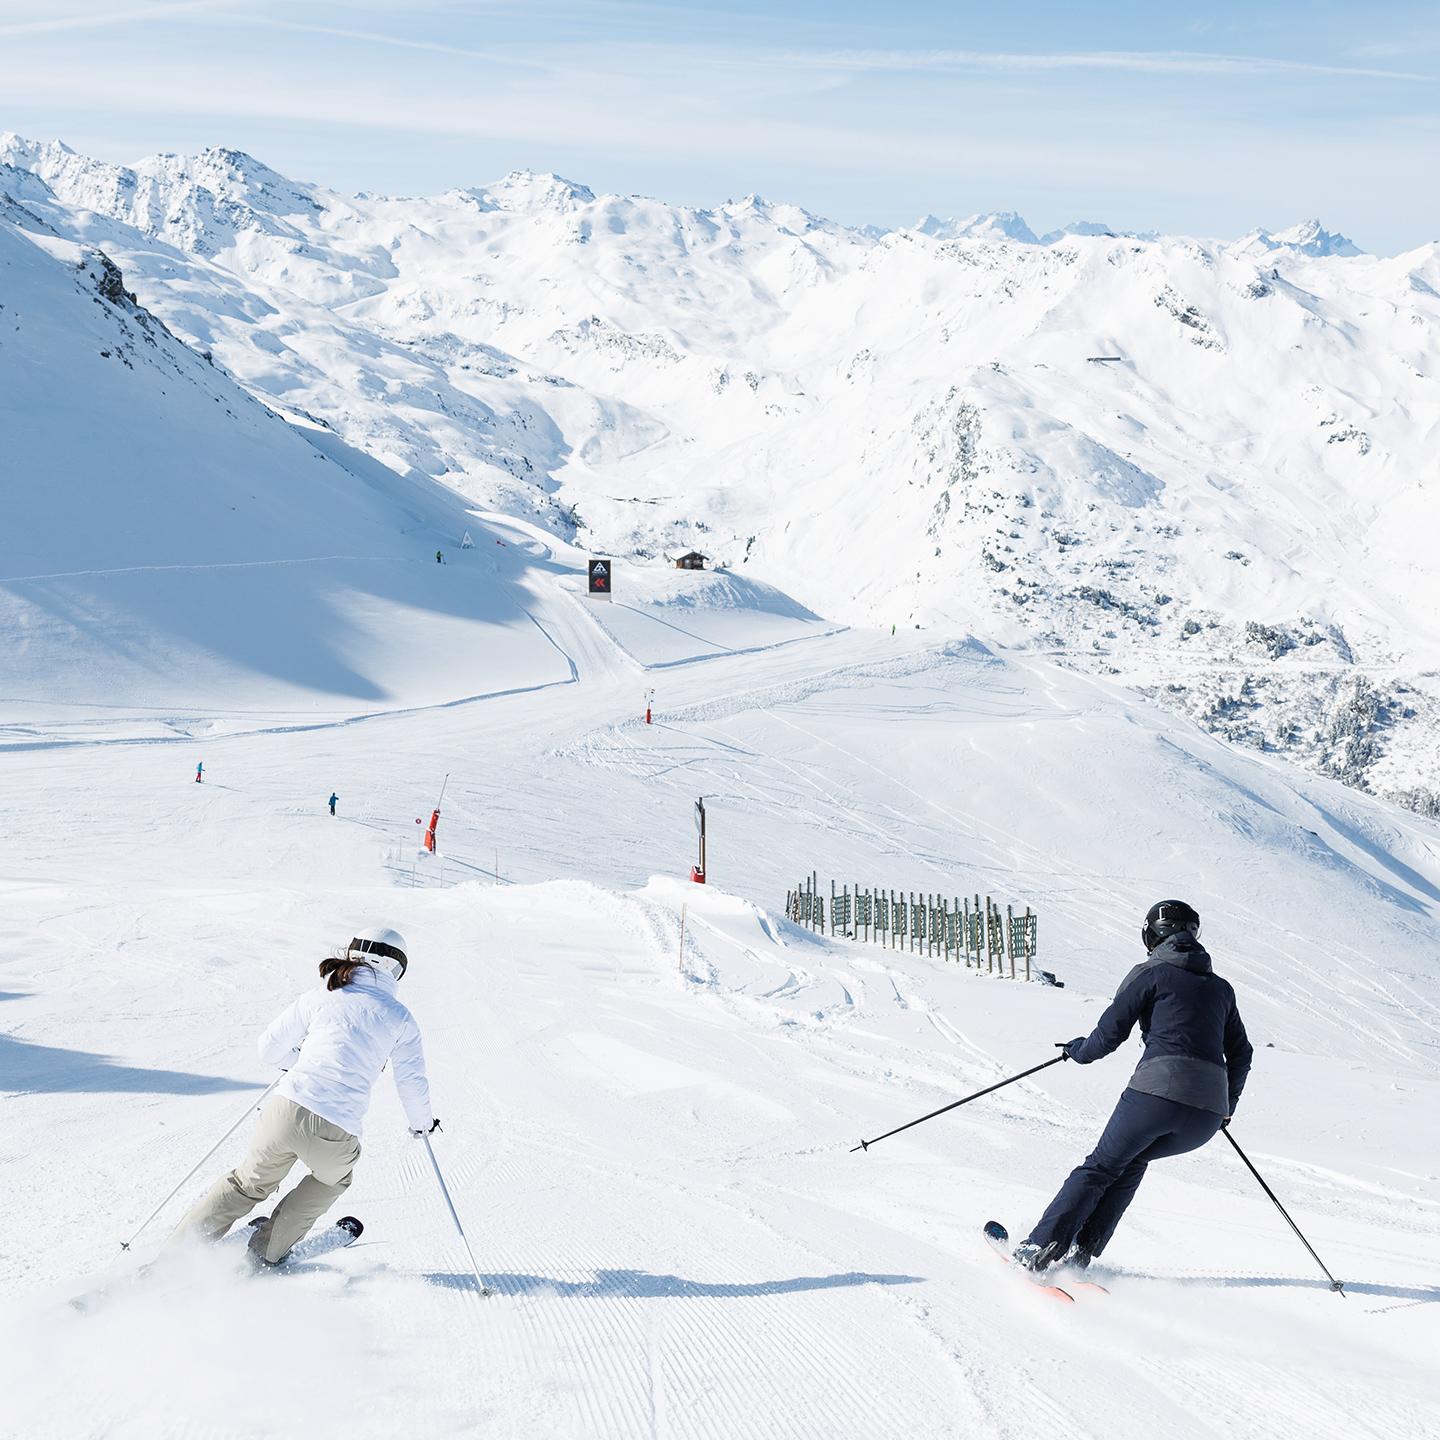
(1166, 918)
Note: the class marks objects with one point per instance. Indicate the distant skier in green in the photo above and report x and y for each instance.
(199, 771)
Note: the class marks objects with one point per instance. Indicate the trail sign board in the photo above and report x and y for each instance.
(600, 577)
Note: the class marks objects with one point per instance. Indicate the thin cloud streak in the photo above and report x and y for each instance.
(1156, 62)
(534, 120)
(109, 18)
(393, 42)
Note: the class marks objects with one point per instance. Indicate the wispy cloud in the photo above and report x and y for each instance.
(1155, 62)
(378, 38)
(107, 18)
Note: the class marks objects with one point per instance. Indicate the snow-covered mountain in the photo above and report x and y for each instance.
(652, 1089)
(993, 225)
(171, 545)
(1309, 237)
(1199, 466)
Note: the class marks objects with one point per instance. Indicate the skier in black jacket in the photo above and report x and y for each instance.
(1185, 1088)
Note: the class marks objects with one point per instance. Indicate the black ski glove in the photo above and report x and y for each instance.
(1071, 1046)
(433, 1128)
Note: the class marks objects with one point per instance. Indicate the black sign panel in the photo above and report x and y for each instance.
(599, 577)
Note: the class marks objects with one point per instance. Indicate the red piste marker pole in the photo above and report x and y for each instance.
(435, 818)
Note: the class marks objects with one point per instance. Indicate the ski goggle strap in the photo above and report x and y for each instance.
(378, 947)
(1178, 916)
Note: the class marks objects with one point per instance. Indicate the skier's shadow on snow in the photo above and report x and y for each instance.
(1421, 1294)
(27, 1068)
(642, 1285)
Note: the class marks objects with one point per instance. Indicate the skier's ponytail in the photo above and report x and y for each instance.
(341, 971)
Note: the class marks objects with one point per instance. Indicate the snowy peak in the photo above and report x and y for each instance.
(1309, 237)
(989, 225)
(20, 185)
(234, 177)
(78, 180)
(1078, 227)
(785, 218)
(528, 190)
(199, 203)
(32, 155)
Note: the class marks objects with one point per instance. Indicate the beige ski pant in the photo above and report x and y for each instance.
(286, 1132)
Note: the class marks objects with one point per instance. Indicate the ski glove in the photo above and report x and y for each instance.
(1072, 1047)
(433, 1128)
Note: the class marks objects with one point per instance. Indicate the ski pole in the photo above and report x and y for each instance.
(450, 1205)
(245, 1114)
(998, 1085)
(1334, 1283)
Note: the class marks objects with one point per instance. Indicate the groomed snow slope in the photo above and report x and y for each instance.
(649, 1143)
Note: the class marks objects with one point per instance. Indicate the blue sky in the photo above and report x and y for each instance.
(1193, 119)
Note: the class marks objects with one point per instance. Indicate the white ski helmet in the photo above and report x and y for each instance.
(381, 946)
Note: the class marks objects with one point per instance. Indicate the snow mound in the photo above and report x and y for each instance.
(660, 616)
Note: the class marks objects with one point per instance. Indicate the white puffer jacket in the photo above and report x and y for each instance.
(335, 1043)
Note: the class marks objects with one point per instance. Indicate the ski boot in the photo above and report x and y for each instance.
(1032, 1257)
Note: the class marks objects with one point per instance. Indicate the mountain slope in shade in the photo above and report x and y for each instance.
(167, 536)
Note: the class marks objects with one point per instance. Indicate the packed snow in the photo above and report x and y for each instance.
(650, 1089)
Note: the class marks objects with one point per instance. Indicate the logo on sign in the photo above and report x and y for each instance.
(599, 577)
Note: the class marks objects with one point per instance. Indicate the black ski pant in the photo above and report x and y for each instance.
(1091, 1202)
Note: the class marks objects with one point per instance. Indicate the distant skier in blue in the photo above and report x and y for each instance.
(334, 801)
(1184, 1090)
(199, 771)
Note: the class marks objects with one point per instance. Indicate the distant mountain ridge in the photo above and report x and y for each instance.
(1198, 466)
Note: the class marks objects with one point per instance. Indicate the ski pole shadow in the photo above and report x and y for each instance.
(642, 1285)
(1419, 1294)
(29, 1069)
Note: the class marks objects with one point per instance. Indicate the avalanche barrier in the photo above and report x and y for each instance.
(930, 924)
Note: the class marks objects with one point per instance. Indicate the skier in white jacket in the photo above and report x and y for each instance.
(333, 1042)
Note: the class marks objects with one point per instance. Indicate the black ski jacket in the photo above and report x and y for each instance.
(1196, 1049)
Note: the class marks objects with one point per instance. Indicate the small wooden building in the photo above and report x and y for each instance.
(694, 560)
